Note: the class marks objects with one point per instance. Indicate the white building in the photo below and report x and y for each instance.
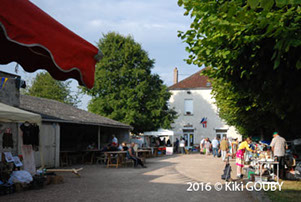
(191, 98)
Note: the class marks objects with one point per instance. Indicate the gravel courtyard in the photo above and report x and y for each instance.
(165, 179)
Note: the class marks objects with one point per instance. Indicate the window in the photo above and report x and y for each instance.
(188, 105)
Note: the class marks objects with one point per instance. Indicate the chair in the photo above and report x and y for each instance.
(64, 160)
(101, 159)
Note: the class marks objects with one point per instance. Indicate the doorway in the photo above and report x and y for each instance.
(189, 137)
(221, 133)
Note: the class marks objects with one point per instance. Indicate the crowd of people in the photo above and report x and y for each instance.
(219, 148)
(236, 150)
(115, 146)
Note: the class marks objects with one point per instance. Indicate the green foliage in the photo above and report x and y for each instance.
(255, 47)
(125, 90)
(46, 87)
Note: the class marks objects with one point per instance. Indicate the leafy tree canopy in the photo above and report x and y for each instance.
(254, 48)
(125, 90)
(45, 86)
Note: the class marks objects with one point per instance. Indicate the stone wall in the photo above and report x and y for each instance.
(10, 93)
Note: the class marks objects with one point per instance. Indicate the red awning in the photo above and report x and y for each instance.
(35, 40)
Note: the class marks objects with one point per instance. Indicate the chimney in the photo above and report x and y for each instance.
(175, 76)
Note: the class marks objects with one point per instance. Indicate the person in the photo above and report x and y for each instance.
(157, 142)
(202, 144)
(240, 155)
(177, 146)
(182, 146)
(112, 147)
(208, 146)
(132, 155)
(120, 147)
(234, 147)
(124, 147)
(168, 143)
(215, 145)
(229, 146)
(163, 142)
(91, 146)
(279, 145)
(114, 140)
(224, 146)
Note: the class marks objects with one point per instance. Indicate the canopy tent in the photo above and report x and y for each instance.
(32, 38)
(160, 132)
(12, 114)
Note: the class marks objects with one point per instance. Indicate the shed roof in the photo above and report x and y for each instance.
(194, 81)
(55, 111)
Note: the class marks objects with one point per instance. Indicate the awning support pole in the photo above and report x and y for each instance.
(98, 138)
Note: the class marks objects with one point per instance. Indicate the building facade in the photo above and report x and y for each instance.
(197, 114)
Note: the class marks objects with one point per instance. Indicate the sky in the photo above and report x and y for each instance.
(152, 23)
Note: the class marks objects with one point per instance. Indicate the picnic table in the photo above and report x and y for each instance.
(143, 153)
(118, 156)
(91, 152)
(66, 156)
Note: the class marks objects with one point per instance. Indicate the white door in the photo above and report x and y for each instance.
(189, 139)
(47, 135)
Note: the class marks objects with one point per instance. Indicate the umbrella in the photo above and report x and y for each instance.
(35, 40)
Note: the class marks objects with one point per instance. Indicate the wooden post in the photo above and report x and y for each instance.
(57, 145)
(98, 134)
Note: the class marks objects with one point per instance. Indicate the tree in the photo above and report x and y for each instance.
(254, 48)
(45, 86)
(125, 90)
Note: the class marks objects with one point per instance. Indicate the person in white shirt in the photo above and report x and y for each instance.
(182, 146)
(202, 144)
(114, 139)
(215, 145)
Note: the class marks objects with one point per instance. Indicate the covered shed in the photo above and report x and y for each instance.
(65, 127)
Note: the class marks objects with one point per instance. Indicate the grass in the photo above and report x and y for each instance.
(291, 191)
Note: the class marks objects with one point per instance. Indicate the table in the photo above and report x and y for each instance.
(144, 153)
(65, 157)
(261, 163)
(66, 154)
(154, 151)
(92, 152)
(119, 160)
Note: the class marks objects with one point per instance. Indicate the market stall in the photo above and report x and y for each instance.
(261, 165)
(12, 114)
(17, 169)
(161, 148)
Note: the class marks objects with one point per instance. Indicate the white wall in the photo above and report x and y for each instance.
(49, 138)
(203, 106)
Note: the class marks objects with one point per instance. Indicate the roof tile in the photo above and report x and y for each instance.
(194, 81)
(53, 110)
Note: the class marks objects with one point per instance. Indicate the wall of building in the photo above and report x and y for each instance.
(9, 94)
(203, 106)
(49, 147)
